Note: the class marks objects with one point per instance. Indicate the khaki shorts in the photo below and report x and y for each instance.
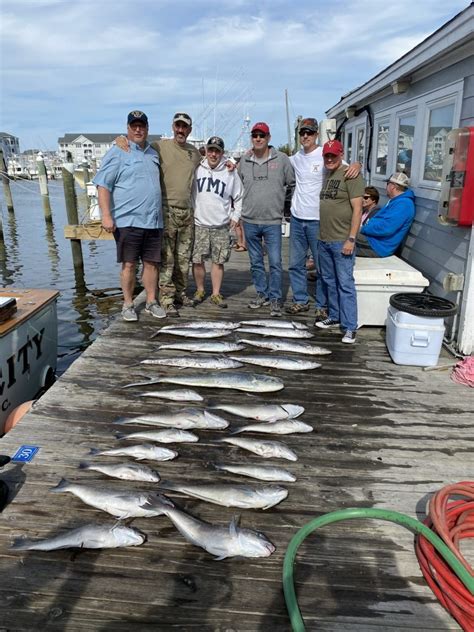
(211, 243)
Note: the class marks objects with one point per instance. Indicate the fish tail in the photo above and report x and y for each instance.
(237, 431)
(62, 486)
(84, 465)
(94, 451)
(167, 485)
(21, 544)
(120, 435)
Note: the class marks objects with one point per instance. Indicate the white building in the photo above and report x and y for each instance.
(10, 145)
(85, 146)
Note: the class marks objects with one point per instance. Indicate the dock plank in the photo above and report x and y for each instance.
(384, 436)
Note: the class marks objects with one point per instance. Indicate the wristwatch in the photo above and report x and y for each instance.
(351, 239)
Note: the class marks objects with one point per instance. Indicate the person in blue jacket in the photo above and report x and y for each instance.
(383, 233)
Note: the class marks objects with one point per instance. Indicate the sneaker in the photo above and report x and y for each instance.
(349, 337)
(199, 296)
(296, 308)
(321, 313)
(327, 323)
(275, 309)
(259, 301)
(155, 310)
(218, 299)
(170, 309)
(129, 314)
(183, 301)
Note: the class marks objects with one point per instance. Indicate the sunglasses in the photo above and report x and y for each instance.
(367, 197)
(306, 132)
(258, 135)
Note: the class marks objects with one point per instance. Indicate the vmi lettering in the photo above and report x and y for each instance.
(215, 185)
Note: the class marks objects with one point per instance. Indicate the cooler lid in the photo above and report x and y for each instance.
(387, 270)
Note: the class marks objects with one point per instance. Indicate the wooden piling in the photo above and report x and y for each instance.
(6, 183)
(43, 183)
(71, 210)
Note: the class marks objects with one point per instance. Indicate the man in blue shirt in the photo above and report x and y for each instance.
(129, 194)
(382, 234)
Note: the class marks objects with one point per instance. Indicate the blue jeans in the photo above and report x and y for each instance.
(304, 234)
(338, 273)
(269, 234)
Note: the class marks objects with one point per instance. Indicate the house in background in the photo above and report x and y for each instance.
(10, 145)
(84, 146)
(399, 121)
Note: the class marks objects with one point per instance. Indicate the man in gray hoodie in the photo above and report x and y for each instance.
(267, 175)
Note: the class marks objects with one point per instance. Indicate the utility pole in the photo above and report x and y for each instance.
(290, 144)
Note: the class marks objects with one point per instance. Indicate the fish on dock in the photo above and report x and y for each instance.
(191, 332)
(184, 419)
(275, 331)
(287, 363)
(229, 495)
(284, 426)
(262, 412)
(204, 346)
(176, 395)
(90, 536)
(290, 346)
(265, 449)
(144, 451)
(167, 435)
(195, 362)
(220, 541)
(204, 324)
(122, 504)
(260, 472)
(250, 382)
(128, 471)
(270, 322)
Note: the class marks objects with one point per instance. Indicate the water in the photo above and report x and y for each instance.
(35, 254)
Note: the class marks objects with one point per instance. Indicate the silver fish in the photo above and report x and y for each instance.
(121, 504)
(274, 331)
(205, 346)
(195, 362)
(265, 449)
(127, 471)
(176, 395)
(223, 542)
(204, 324)
(284, 426)
(270, 322)
(228, 495)
(189, 332)
(250, 382)
(288, 345)
(286, 363)
(140, 452)
(261, 472)
(172, 435)
(262, 412)
(90, 536)
(184, 419)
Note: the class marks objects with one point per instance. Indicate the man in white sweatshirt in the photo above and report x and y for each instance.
(217, 204)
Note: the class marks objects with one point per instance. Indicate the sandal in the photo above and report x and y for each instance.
(240, 248)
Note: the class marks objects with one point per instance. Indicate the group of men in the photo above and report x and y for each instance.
(169, 206)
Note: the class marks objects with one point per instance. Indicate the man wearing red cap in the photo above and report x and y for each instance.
(341, 211)
(266, 175)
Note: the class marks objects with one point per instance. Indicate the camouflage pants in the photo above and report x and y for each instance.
(178, 237)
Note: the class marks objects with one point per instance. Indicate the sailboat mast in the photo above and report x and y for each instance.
(288, 122)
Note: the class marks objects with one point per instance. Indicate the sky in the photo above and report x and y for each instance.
(72, 66)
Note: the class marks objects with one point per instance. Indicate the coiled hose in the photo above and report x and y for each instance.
(438, 560)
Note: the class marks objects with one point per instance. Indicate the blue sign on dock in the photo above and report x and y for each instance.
(25, 453)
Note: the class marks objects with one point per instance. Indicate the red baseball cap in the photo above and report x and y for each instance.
(333, 147)
(261, 127)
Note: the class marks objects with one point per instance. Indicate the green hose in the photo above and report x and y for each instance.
(296, 619)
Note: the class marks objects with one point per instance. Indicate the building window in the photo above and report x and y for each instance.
(439, 126)
(383, 131)
(360, 148)
(349, 147)
(406, 135)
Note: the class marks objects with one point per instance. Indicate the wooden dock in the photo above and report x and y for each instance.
(385, 436)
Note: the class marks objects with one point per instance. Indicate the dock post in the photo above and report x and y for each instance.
(71, 210)
(43, 183)
(6, 183)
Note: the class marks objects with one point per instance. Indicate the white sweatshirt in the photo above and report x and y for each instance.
(216, 195)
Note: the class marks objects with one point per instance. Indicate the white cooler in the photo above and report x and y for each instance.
(413, 340)
(376, 280)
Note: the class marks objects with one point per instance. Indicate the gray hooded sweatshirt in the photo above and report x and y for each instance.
(266, 186)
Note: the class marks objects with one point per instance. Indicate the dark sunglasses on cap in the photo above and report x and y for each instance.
(258, 135)
(306, 132)
(367, 197)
